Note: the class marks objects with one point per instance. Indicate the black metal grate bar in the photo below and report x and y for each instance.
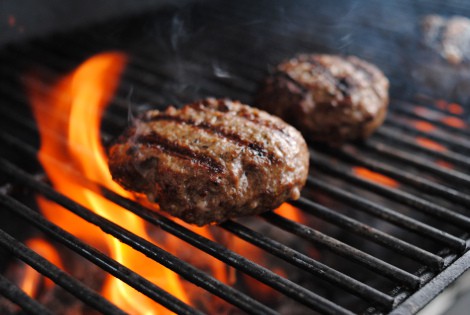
(370, 233)
(154, 252)
(342, 249)
(389, 215)
(408, 109)
(433, 287)
(233, 259)
(457, 144)
(18, 296)
(213, 248)
(63, 279)
(350, 153)
(449, 174)
(398, 137)
(302, 261)
(271, 246)
(98, 258)
(394, 194)
(143, 71)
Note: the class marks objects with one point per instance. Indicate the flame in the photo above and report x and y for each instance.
(290, 212)
(32, 278)
(73, 108)
(455, 109)
(430, 144)
(454, 122)
(445, 164)
(374, 176)
(424, 126)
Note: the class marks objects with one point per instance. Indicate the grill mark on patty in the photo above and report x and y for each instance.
(340, 83)
(170, 147)
(370, 76)
(257, 148)
(285, 75)
(222, 107)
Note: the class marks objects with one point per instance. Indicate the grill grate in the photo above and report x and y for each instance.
(428, 204)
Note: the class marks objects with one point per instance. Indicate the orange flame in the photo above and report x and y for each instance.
(73, 109)
(374, 176)
(454, 122)
(424, 126)
(32, 278)
(430, 144)
(290, 212)
(445, 164)
(455, 109)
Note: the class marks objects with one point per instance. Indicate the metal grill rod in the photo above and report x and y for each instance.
(306, 263)
(449, 174)
(342, 249)
(454, 175)
(441, 190)
(434, 187)
(255, 238)
(152, 251)
(98, 258)
(398, 137)
(280, 250)
(381, 267)
(427, 186)
(402, 109)
(63, 279)
(389, 215)
(19, 297)
(137, 75)
(186, 270)
(458, 144)
(208, 246)
(394, 194)
(433, 287)
(370, 233)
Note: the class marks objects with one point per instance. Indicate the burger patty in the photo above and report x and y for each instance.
(328, 98)
(449, 37)
(211, 160)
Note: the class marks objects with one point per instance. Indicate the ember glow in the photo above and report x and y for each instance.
(73, 109)
(375, 177)
(424, 126)
(290, 212)
(430, 144)
(32, 279)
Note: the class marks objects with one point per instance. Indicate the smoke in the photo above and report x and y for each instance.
(220, 70)
(130, 115)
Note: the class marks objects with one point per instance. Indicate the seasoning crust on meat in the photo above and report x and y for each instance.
(211, 160)
(328, 98)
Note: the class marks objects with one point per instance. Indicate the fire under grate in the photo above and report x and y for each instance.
(394, 207)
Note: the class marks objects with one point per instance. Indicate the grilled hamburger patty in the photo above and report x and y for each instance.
(328, 98)
(211, 160)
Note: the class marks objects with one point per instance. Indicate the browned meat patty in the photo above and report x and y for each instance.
(450, 37)
(329, 98)
(211, 160)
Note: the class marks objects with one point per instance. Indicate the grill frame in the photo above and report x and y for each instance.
(448, 268)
